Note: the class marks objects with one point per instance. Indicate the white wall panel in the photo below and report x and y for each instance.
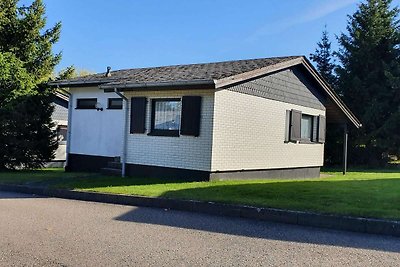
(96, 132)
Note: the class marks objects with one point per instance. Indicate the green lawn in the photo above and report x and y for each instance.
(359, 193)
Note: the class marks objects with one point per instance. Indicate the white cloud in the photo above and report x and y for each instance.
(316, 12)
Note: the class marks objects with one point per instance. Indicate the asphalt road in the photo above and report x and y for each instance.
(38, 231)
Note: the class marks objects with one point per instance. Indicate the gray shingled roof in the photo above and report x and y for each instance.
(213, 75)
(177, 73)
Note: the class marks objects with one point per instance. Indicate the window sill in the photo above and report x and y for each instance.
(164, 133)
(114, 108)
(305, 141)
(302, 142)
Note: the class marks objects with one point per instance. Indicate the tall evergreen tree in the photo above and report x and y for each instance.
(22, 33)
(27, 138)
(323, 57)
(369, 76)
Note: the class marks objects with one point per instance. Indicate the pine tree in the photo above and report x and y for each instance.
(369, 76)
(323, 58)
(22, 33)
(27, 136)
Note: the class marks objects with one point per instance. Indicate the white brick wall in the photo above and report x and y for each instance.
(249, 133)
(177, 152)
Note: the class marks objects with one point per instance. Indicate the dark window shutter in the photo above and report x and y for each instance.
(315, 129)
(287, 126)
(321, 129)
(138, 115)
(190, 121)
(295, 125)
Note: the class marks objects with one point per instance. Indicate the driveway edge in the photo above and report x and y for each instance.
(347, 223)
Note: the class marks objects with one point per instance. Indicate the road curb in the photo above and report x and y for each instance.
(347, 223)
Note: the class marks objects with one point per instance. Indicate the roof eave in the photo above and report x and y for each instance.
(75, 83)
(176, 85)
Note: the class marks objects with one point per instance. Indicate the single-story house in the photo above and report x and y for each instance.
(254, 118)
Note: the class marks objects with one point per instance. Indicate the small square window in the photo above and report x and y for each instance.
(166, 117)
(86, 103)
(114, 103)
(306, 127)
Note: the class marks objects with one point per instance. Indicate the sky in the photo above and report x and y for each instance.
(145, 33)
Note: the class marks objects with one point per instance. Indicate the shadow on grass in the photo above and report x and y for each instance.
(38, 176)
(11, 195)
(97, 180)
(260, 229)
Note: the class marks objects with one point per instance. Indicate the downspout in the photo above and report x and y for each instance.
(69, 132)
(125, 140)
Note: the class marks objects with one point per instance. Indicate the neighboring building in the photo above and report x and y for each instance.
(254, 118)
(60, 118)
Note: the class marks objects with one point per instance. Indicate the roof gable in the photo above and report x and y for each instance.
(289, 85)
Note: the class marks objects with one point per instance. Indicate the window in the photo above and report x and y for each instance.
(166, 117)
(86, 103)
(306, 127)
(114, 103)
(169, 117)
